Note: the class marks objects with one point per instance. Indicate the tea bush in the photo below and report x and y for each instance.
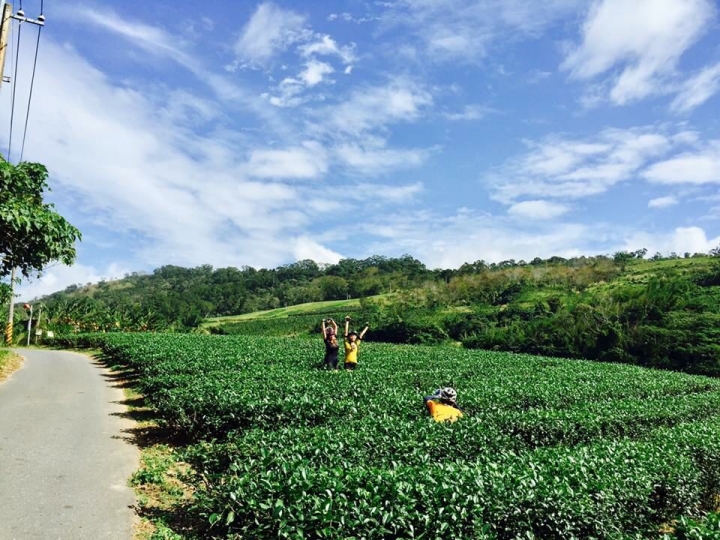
(549, 448)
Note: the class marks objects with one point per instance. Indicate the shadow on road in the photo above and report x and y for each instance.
(148, 430)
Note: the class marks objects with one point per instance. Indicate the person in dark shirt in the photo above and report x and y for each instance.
(332, 347)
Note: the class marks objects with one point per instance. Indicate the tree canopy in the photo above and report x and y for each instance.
(32, 233)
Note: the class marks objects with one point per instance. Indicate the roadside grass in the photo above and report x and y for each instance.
(161, 483)
(9, 363)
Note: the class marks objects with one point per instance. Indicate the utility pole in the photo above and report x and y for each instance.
(29, 329)
(37, 325)
(4, 32)
(11, 310)
(7, 16)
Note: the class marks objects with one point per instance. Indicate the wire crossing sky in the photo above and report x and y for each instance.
(260, 133)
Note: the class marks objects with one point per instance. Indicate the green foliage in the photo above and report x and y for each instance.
(549, 448)
(182, 298)
(692, 529)
(662, 313)
(32, 234)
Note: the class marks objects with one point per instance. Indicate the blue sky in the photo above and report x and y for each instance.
(260, 133)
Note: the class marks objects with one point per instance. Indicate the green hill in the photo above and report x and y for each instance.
(309, 308)
(661, 312)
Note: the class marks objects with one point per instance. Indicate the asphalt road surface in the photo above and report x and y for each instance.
(65, 455)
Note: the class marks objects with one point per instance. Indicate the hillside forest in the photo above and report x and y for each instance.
(659, 311)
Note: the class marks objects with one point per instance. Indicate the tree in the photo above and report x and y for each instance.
(32, 234)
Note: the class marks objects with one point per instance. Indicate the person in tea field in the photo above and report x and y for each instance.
(332, 347)
(442, 405)
(352, 344)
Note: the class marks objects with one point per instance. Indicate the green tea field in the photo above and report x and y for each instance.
(548, 448)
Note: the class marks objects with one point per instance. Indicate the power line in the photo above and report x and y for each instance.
(32, 84)
(14, 88)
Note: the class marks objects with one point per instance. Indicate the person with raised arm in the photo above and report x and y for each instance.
(352, 344)
(332, 347)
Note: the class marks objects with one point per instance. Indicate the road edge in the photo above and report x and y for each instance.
(10, 362)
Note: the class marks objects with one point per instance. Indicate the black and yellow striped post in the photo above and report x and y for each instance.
(11, 310)
(9, 333)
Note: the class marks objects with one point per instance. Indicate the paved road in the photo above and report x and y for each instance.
(64, 454)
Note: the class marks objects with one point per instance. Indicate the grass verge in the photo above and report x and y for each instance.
(162, 483)
(9, 363)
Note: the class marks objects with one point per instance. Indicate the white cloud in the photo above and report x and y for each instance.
(306, 161)
(681, 240)
(270, 30)
(470, 112)
(562, 168)
(448, 241)
(327, 46)
(537, 210)
(642, 39)
(701, 166)
(160, 43)
(697, 90)
(348, 17)
(315, 72)
(662, 202)
(375, 107)
(291, 91)
(59, 277)
(451, 30)
(307, 248)
(381, 193)
(129, 163)
(377, 159)
(150, 38)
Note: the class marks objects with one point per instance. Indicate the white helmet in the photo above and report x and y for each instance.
(448, 393)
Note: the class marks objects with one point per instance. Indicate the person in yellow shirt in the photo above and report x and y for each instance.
(442, 405)
(352, 344)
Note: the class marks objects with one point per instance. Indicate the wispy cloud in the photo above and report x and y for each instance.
(469, 112)
(182, 196)
(642, 41)
(373, 107)
(697, 89)
(699, 166)
(306, 161)
(448, 241)
(327, 46)
(58, 277)
(537, 210)
(270, 30)
(160, 43)
(376, 159)
(562, 168)
(680, 240)
(464, 30)
(663, 202)
(349, 17)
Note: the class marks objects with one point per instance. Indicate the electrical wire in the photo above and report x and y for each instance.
(14, 88)
(32, 84)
